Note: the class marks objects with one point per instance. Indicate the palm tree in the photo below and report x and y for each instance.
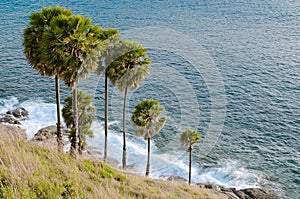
(78, 44)
(39, 22)
(132, 67)
(189, 138)
(86, 115)
(69, 41)
(146, 118)
(108, 53)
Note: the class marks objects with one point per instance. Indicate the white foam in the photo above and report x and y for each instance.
(8, 104)
(136, 148)
(229, 174)
(41, 114)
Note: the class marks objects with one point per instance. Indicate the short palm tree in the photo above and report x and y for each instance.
(86, 115)
(39, 22)
(131, 68)
(147, 118)
(189, 138)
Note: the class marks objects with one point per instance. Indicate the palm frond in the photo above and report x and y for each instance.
(139, 132)
(155, 111)
(160, 124)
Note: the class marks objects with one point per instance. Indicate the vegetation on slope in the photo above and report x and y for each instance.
(28, 171)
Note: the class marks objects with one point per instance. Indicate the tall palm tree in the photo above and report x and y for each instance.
(77, 43)
(39, 22)
(108, 53)
(69, 40)
(189, 138)
(86, 115)
(147, 118)
(132, 68)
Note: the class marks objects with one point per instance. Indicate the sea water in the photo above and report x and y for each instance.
(230, 69)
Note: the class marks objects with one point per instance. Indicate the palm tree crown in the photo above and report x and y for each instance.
(39, 22)
(189, 138)
(147, 118)
(131, 55)
(68, 44)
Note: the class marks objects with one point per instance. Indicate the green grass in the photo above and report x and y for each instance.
(28, 171)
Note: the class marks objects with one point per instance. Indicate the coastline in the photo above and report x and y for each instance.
(15, 132)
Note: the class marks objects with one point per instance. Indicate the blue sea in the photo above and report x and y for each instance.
(230, 69)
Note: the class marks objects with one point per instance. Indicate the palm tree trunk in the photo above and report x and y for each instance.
(124, 128)
(148, 159)
(190, 164)
(59, 139)
(79, 148)
(74, 144)
(106, 116)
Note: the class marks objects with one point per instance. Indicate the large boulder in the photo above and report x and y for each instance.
(45, 133)
(46, 137)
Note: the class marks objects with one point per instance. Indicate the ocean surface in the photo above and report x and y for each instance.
(230, 69)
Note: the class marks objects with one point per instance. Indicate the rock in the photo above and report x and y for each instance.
(258, 193)
(46, 137)
(9, 119)
(9, 112)
(12, 132)
(232, 193)
(219, 191)
(14, 116)
(240, 194)
(48, 132)
(45, 133)
(20, 112)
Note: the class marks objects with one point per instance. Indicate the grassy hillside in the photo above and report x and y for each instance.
(28, 171)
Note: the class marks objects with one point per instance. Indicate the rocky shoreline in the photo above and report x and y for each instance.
(232, 193)
(14, 116)
(46, 137)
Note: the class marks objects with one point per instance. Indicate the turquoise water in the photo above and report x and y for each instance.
(254, 46)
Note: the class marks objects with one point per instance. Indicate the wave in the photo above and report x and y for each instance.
(227, 173)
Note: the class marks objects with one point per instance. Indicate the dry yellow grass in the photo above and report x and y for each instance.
(28, 171)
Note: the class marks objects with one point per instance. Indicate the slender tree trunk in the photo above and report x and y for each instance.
(59, 139)
(148, 159)
(74, 141)
(190, 164)
(124, 128)
(78, 131)
(106, 116)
